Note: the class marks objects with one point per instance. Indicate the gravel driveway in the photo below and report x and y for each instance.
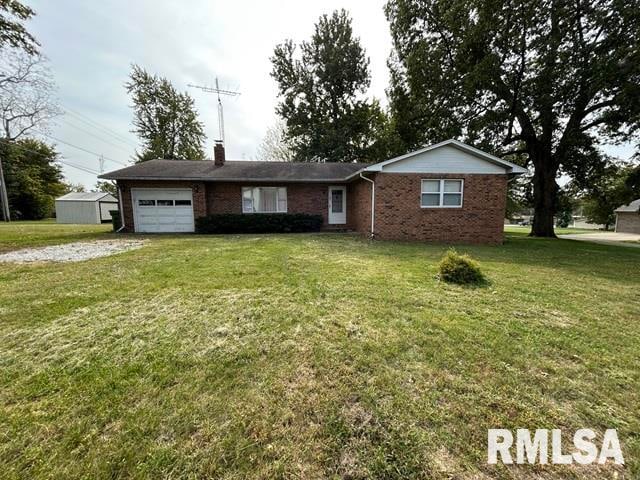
(71, 252)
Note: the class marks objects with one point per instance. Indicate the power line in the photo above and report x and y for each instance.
(98, 137)
(79, 167)
(82, 149)
(97, 125)
(59, 159)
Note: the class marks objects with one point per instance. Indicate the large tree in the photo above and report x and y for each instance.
(165, 120)
(322, 86)
(26, 102)
(547, 80)
(13, 36)
(33, 178)
(13, 33)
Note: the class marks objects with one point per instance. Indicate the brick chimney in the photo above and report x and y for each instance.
(218, 154)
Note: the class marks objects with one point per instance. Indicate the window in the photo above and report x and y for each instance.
(146, 203)
(441, 193)
(182, 203)
(264, 199)
(165, 203)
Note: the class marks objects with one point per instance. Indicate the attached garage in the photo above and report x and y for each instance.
(628, 218)
(85, 207)
(162, 210)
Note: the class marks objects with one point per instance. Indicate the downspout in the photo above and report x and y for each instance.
(121, 208)
(373, 204)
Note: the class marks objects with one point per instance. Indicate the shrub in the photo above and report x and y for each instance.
(259, 223)
(460, 269)
(115, 219)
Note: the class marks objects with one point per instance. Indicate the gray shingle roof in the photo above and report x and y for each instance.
(234, 171)
(632, 207)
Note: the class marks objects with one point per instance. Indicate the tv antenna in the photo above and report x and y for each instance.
(217, 90)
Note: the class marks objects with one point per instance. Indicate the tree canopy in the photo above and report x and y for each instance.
(165, 120)
(13, 33)
(33, 178)
(544, 82)
(322, 85)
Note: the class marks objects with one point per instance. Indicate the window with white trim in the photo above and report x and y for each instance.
(264, 200)
(441, 193)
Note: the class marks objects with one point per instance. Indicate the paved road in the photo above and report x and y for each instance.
(607, 238)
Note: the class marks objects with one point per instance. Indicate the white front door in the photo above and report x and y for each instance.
(162, 210)
(337, 205)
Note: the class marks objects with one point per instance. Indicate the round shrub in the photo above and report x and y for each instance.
(460, 269)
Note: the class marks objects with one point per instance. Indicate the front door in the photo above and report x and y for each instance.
(337, 205)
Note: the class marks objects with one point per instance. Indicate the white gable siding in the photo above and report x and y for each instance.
(445, 159)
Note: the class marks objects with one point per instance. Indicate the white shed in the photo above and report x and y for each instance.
(85, 207)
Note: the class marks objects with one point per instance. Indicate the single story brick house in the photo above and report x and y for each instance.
(447, 192)
(628, 218)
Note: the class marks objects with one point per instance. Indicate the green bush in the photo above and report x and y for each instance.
(115, 219)
(460, 269)
(259, 223)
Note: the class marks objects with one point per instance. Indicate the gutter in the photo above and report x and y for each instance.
(373, 204)
(232, 180)
(121, 208)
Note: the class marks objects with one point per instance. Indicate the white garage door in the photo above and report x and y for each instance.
(162, 210)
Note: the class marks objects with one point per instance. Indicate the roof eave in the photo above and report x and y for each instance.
(231, 180)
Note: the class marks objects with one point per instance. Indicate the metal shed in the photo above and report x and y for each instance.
(85, 207)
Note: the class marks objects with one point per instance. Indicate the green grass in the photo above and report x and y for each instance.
(46, 232)
(310, 356)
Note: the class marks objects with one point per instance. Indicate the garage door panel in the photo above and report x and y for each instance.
(158, 211)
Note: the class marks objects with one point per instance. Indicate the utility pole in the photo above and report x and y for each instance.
(217, 90)
(101, 163)
(4, 198)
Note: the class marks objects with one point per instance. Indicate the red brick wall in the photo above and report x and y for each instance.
(309, 198)
(398, 212)
(197, 188)
(359, 206)
(400, 217)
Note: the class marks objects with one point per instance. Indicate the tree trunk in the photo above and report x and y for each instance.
(545, 190)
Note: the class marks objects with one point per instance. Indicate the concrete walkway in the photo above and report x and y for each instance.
(607, 238)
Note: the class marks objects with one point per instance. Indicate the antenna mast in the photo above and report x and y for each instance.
(217, 90)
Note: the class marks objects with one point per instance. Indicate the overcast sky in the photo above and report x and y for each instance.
(91, 46)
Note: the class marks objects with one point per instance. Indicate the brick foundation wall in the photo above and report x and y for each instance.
(628, 222)
(197, 189)
(480, 219)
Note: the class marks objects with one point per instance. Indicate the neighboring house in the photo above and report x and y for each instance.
(628, 218)
(85, 207)
(448, 192)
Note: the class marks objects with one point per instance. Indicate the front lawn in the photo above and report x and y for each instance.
(311, 356)
(17, 235)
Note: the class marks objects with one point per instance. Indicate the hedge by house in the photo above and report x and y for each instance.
(259, 223)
